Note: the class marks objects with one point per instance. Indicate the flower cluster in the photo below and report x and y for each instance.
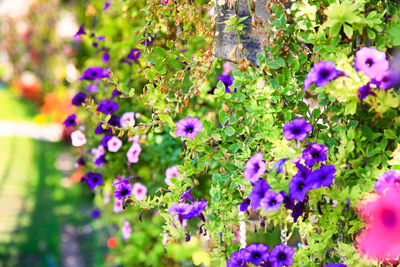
(258, 255)
(185, 211)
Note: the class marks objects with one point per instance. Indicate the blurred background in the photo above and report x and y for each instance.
(46, 216)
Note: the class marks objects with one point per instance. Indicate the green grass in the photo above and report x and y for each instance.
(27, 170)
(14, 108)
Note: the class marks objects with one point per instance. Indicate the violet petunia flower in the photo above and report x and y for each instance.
(99, 129)
(107, 106)
(134, 55)
(114, 144)
(164, 2)
(256, 253)
(244, 205)
(298, 188)
(93, 179)
(93, 73)
(92, 88)
(78, 99)
(321, 177)
(271, 201)
(321, 73)
(196, 209)
(365, 91)
(81, 31)
(180, 209)
(303, 171)
(279, 165)
(237, 259)
(149, 40)
(227, 80)
(383, 80)
(387, 179)
(95, 213)
(371, 62)
(281, 255)
(258, 193)
(314, 153)
(188, 127)
(332, 264)
(255, 167)
(123, 190)
(105, 57)
(107, 4)
(70, 121)
(114, 121)
(297, 129)
(187, 195)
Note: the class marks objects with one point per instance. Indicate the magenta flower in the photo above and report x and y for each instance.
(297, 129)
(139, 191)
(371, 62)
(114, 144)
(133, 153)
(126, 230)
(255, 167)
(118, 207)
(171, 172)
(387, 179)
(188, 127)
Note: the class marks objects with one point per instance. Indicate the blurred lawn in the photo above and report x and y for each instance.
(14, 108)
(35, 200)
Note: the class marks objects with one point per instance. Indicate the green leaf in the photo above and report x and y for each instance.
(348, 30)
(229, 131)
(389, 134)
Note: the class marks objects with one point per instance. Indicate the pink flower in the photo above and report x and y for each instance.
(227, 68)
(78, 138)
(117, 205)
(107, 198)
(114, 144)
(128, 120)
(139, 191)
(171, 172)
(133, 153)
(97, 152)
(380, 238)
(126, 230)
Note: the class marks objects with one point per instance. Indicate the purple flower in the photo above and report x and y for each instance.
(107, 5)
(258, 193)
(106, 57)
(123, 190)
(383, 80)
(271, 201)
(255, 167)
(188, 127)
(134, 55)
(70, 120)
(332, 264)
(78, 99)
(94, 179)
(93, 73)
(279, 165)
(365, 91)
(105, 139)
(164, 2)
(371, 62)
(227, 80)
(387, 180)
(92, 88)
(297, 129)
(107, 106)
(298, 188)
(303, 171)
(321, 177)
(187, 195)
(100, 130)
(114, 121)
(80, 31)
(297, 210)
(314, 153)
(281, 255)
(244, 205)
(321, 73)
(256, 253)
(196, 209)
(95, 213)
(115, 93)
(100, 160)
(237, 259)
(180, 209)
(149, 40)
